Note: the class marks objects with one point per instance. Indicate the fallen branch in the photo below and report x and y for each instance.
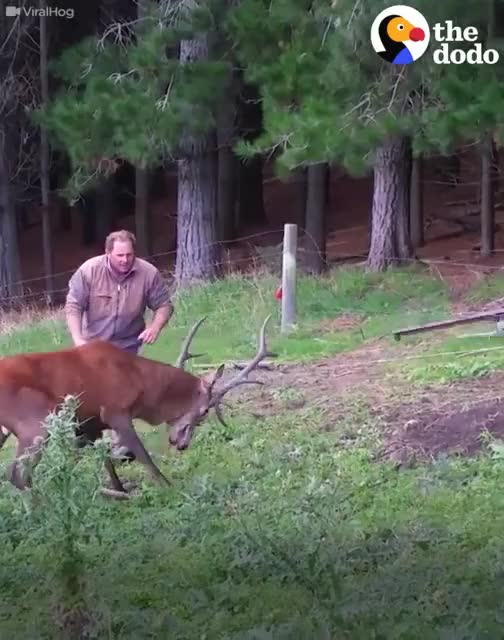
(495, 315)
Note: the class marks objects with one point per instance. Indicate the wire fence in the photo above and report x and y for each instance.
(257, 256)
(269, 261)
(355, 365)
(269, 257)
(436, 175)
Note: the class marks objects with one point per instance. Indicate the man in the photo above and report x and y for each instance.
(109, 294)
(107, 298)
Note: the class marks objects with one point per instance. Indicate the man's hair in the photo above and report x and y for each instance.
(120, 236)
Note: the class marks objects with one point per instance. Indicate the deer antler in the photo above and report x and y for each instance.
(241, 378)
(184, 353)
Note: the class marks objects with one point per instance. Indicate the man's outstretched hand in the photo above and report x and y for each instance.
(149, 335)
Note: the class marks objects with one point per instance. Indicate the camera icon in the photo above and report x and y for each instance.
(12, 12)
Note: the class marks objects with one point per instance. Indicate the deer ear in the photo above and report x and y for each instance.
(209, 379)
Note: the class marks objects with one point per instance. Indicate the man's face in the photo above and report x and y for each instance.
(122, 256)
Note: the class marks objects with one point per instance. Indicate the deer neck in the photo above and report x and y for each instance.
(168, 392)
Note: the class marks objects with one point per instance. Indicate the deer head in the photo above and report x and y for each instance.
(182, 430)
(206, 396)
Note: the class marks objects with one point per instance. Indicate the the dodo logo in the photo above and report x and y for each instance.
(400, 34)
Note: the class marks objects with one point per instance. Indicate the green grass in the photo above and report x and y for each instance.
(237, 307)
(488, 289)
(279, 529)
(282, 527)
(46, 335)
(454, 354)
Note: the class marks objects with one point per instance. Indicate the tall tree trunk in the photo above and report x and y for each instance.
(142, 221)
(59, 173)
(390, 243)
(301, 196)
(487, 196)
(416, 207)
(64, 215)
(44, 161)
(251, 196)
(328, 186)
(104, 205)
(10, 269)
(315, 227)
(198, 253)
(19, 158)
(142, 210)
(488, 173)
(87, 210)
(228, 165)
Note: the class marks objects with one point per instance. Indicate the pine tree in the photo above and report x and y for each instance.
(19, 160)
(327, 96)
(127, 97)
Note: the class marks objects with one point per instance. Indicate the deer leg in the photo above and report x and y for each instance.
(88, 432)
(129, 438)
(92, 429)
(27, 447)
(15, 472)
(121, 453)
(117, 485)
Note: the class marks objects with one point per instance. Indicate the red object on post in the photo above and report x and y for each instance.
(278, 293)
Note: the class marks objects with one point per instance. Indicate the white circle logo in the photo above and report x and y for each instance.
(400, 34)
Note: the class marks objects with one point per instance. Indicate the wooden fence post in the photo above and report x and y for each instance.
(289, 277)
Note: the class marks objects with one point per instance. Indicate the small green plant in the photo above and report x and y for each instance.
(63, 511)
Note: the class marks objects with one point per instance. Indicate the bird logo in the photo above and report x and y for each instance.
(400, 34)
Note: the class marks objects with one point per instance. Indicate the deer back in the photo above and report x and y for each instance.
(98, 373)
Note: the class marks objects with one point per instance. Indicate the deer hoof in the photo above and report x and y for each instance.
(122, 454)
(112, 493)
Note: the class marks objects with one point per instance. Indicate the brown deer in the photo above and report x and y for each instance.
(115, 386)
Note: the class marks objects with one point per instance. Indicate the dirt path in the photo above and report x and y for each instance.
(325, 383)
(418, 423)
(455, 419)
